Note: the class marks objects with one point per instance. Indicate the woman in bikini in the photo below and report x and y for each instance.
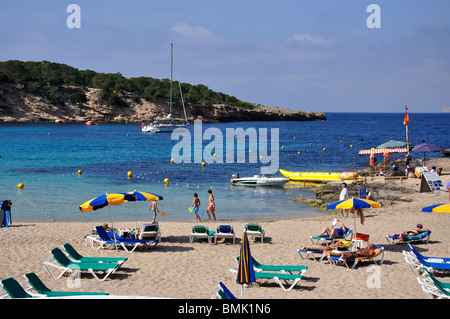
(334, 232)
(413, 232)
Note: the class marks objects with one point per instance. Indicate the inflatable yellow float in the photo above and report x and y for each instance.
(320, 176)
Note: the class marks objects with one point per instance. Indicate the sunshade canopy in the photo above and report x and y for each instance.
(103, 200)
(439, 208)
(427, 148)
(392, 144)
(356, 203)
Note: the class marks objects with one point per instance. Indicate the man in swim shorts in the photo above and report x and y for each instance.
(212, 206)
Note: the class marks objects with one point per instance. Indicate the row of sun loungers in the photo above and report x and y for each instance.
(225, 231)
(62, 263)
(67, 262)
(423, 266)
(15, 290)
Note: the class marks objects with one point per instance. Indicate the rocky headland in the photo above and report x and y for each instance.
(19, 105)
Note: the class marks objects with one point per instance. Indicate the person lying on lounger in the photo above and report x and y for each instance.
(362, 252)
(334, 231)
(413, 232)
(336, 246)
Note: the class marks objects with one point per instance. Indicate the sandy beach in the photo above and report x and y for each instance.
(176, 268)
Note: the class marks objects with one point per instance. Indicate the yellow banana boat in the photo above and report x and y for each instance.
(319, 176)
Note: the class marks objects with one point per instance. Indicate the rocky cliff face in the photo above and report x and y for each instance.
(18, 105)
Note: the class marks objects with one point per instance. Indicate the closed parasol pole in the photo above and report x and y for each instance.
(112, 223)
(406, 122)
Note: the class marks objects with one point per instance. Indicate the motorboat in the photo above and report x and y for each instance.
(257, 180)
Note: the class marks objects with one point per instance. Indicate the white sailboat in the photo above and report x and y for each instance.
(165, 124)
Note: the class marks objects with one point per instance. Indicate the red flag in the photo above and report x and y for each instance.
(406, 121)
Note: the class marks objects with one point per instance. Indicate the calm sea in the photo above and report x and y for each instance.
(47, 157)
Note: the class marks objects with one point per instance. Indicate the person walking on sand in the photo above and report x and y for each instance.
(212, 206)
(344, 196)
(196, 206)
(153, 208)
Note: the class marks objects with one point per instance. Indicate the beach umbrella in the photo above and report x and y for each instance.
(356, 203)
(105, 200)
(425, 148)
(142, 196)
(245, 273)
(392, 144)
(439, 208)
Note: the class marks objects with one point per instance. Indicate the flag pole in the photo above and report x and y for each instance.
(406, 122)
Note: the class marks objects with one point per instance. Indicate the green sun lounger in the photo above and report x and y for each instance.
(64, 264)
(14, 289)
(277, 277)
(77, 257)
(40, 287)
(282, 268)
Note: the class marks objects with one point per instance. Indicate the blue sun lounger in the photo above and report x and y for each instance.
(438, 263)
(223, 293)
(108, 238)
(351, 263)
(425, 237)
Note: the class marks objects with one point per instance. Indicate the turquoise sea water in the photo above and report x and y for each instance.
(46, 158)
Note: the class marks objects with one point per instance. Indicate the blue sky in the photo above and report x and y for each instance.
(305, 55)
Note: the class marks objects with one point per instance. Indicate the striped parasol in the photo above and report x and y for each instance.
(245, 273)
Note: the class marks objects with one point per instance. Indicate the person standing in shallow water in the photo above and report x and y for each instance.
(196, 206)
(212, 206)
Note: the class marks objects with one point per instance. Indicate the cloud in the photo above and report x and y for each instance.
(188, 31)
(309, 38)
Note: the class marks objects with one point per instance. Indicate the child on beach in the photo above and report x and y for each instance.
(196, 206)
(212, 206)
(153, 208)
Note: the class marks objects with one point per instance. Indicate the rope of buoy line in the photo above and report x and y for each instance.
(35, 206)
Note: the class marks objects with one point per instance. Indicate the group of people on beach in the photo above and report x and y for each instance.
(195, 206)
(211, 206)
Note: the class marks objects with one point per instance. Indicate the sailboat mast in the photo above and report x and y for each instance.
(171, 75)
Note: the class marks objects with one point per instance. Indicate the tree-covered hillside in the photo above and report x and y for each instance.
(45, 78)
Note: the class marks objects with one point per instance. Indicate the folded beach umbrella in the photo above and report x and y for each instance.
(245, 272)
(356, 203)
(439, 208)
